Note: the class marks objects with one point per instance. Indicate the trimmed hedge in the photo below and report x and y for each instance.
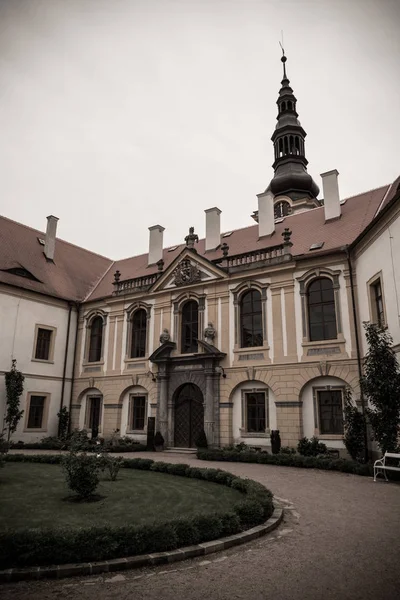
(37, 547)
(288, 460)
(85, 448)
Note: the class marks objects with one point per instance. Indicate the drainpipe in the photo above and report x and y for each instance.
(360, 372)
(77, 305)
(65, 363)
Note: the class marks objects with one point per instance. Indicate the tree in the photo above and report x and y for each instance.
(354, 429)
(14, 389)
(381, 385)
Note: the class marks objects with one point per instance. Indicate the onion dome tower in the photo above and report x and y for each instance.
(290, 166)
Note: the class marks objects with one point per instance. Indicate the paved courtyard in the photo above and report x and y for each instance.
(340, 539)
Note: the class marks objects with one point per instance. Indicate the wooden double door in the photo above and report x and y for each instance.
(189, 415)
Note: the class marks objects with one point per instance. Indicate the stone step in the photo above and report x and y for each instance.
(180, 451)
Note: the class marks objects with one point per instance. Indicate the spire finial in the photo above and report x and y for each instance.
(283, 59)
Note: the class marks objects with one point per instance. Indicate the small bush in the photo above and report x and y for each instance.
(287, 450)
(177, 469)
(311, 447)
(81, 473)
(354, 429)
(110, 463)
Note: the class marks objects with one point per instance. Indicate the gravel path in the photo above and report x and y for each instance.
(340, 539)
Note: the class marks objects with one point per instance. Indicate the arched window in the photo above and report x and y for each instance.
(281, 209)
(190, 327)
(96, 339)
(289, 105)
(321, 310)
(251, 319)
(138, 334)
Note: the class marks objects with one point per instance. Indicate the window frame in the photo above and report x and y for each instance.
(45, 413)
(130, 423)
(244, 430)
(90, 319)
(88, 411)
(251, 290)
(377, 279)
(53, 330)
(133, 332)
(182, 324)
(304, 282)
(317, 414)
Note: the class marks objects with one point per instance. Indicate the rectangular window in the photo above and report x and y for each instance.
(138, 413)
(36, 412)
(43, 343)
(330, 406)
(94, 413)
(377, 299)
(256, 413)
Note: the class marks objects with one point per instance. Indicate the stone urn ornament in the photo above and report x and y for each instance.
(165, 337)
(209, 333)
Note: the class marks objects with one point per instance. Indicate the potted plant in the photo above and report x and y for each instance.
(159, 442)
(201, 440)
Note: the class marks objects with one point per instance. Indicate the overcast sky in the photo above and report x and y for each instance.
(116, 115)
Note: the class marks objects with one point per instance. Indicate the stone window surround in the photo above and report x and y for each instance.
(325, 388)
(178, 304)
(131, 398)
(88, 324)
(371, 299)
(237, 293)
(50, 360)
(304, 281)
(243, 429)
(130, 311)
(43, 428)
(87, 412)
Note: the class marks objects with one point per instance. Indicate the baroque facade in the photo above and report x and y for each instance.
(240, 333)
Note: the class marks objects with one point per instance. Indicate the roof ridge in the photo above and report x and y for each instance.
(43, 233)
(93, 288)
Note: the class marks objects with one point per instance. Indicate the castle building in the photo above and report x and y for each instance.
(239, 334)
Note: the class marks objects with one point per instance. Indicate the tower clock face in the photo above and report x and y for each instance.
(281, 209)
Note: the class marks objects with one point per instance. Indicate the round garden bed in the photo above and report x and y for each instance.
(151, 507)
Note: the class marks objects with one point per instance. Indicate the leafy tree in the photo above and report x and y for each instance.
(63, 421)
(81, 473)
(14, 389)
(381, 385)
(354, 429)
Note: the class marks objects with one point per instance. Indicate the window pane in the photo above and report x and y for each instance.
(190, 327)
(36, 408)
(251, 319)
(138, 412)
(256, 413)
(321, 310)
(96, 338)
(43, 344)
(331, 412)
(139, 326)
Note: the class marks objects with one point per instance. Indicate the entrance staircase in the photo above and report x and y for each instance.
(189, 451)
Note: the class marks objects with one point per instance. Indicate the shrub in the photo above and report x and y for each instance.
(201, 440)
(81, 473)
(63, 422)
(275, 441)
(14, 381)
(312, 447)
(111, 463)
(354, 429)
(287, 450)
(177, 469)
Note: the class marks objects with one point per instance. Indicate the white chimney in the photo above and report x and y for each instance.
(266, 218)
(50, 242)
(331, 195)
(213, 228)
(155, 244)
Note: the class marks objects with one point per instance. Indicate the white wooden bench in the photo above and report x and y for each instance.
(380, 466)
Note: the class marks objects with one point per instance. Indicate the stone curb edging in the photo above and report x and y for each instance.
(134, 562)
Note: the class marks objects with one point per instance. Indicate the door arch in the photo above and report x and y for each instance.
(189, 415)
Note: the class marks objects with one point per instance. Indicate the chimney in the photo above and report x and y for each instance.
(155, 244)
(331, 195)
(266, 218)
(213, 228)
(50, 242)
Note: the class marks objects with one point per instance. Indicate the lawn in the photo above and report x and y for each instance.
(33, 495)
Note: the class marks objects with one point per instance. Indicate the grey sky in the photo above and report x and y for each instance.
(120, 114)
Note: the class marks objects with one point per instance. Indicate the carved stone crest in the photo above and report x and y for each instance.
(186, 273)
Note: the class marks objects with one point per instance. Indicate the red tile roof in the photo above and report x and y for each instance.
(78, 274)
(72, 276)
(307, 228)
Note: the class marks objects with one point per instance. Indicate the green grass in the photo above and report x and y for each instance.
(32, 495)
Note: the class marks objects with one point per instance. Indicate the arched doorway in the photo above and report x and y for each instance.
(189, 415)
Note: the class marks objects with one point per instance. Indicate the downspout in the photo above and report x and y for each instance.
(73, 365)
(356, 330)
(65, 363)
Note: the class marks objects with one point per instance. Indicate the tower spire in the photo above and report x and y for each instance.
(290, 165)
